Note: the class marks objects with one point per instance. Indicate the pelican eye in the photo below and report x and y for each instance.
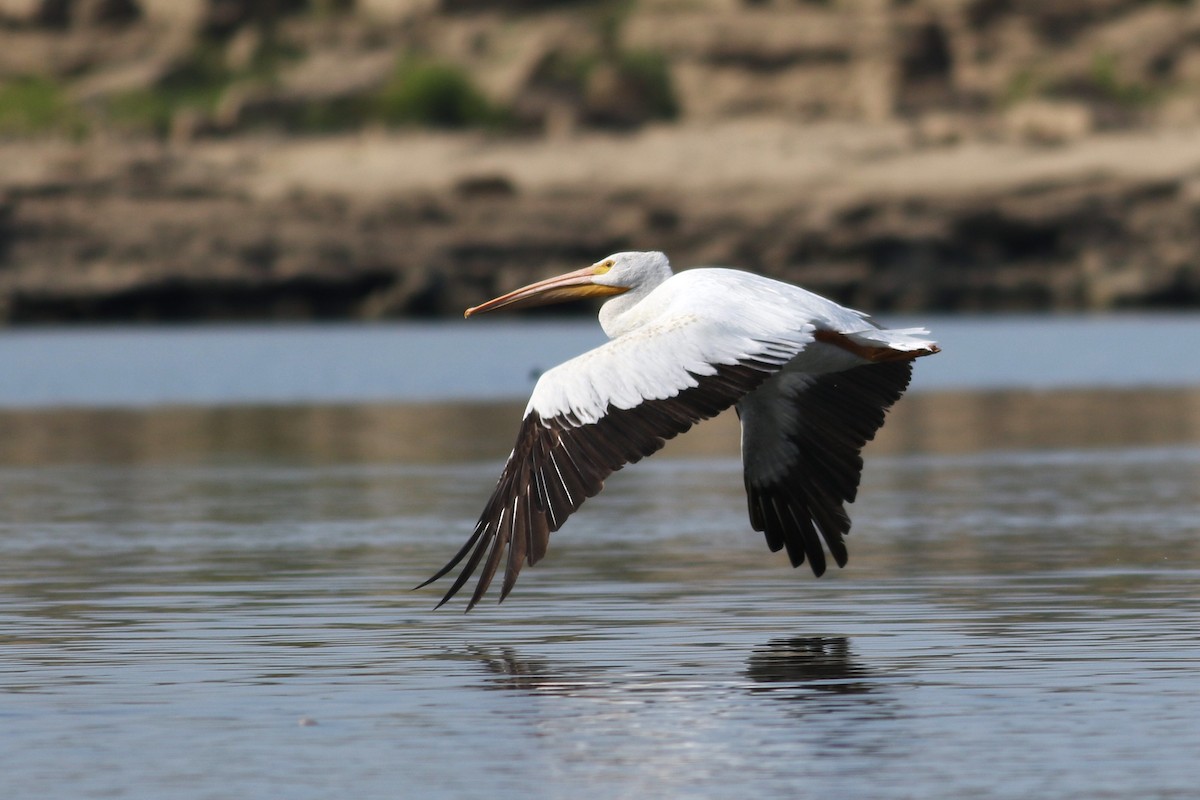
(605, 267)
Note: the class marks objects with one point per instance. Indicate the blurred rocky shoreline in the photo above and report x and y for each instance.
(949, 155)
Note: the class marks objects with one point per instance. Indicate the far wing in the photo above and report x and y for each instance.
(802, 436)
(592, 415)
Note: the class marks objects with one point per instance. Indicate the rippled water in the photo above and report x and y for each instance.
(216, 602)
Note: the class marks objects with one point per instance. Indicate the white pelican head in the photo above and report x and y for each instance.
(634, 272)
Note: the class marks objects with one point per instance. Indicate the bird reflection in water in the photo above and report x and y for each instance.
(827, 692)
(798, 667)
(511, 671)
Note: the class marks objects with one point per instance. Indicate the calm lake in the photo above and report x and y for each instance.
(208, 539)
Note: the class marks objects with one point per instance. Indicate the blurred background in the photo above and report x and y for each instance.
(187, 160)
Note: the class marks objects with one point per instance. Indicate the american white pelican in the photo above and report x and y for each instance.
(810, 379)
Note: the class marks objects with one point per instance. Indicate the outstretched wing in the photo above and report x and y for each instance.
(593, 414)
(802, 436)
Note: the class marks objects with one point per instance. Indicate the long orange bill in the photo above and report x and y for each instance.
(570, 286)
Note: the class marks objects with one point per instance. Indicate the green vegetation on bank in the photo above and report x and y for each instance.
(328, 66)
(235, 76)
(35, 105)
(420, 92)
(432, 94)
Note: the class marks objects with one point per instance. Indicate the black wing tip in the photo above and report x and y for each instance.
(446, 598)
(795, 522)
(819, 566)
(425, 583)
(450, 595)
(474, 601)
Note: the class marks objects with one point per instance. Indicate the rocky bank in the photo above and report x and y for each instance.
(943, 155)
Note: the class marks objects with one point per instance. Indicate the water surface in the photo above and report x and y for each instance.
(208, 602)
(500, 358)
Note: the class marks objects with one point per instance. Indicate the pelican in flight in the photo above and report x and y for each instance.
(810, 380)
